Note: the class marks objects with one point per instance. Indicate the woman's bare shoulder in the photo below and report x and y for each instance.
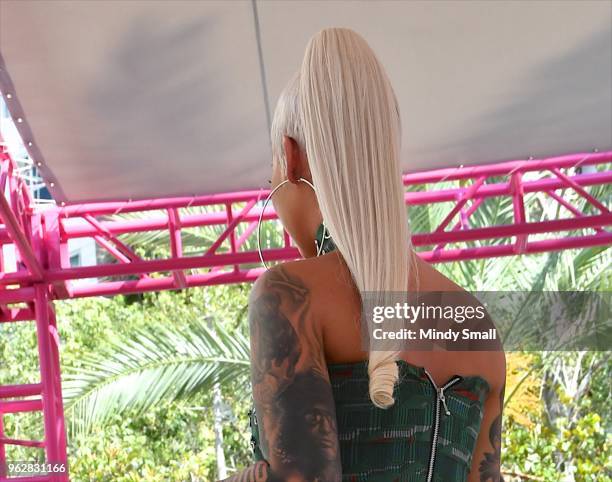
(490, 362)
(318, 275)
(428, 278)
(282, 277)
(302, 280)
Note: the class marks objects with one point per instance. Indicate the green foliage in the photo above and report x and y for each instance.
(155, 446)
(582, 448)
(138, 369)
(157, 363)
(170, 441)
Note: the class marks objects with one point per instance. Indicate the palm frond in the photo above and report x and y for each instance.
(153, 366)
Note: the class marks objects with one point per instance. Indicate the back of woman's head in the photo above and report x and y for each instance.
(348, 121)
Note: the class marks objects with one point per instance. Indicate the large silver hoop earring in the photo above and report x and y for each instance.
(263, 209)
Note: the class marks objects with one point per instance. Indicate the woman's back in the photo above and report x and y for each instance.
(415, 439)
(336, 307)
(427, 435)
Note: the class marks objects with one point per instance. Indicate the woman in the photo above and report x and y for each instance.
(325, 409)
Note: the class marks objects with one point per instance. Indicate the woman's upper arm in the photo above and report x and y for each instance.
(486, 462)
(294, 405)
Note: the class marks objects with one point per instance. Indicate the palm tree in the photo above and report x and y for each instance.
(156, 364)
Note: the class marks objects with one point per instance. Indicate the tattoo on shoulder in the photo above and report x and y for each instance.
(278, 342)
(490, 466)
(294, 404)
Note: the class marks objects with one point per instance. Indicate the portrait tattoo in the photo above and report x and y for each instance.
(293, 398)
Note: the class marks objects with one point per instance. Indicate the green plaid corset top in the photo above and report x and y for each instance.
(428, 435)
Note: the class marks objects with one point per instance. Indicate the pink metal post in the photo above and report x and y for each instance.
(49, 368)
(24, 229)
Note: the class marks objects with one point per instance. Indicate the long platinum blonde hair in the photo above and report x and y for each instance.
(341, 109)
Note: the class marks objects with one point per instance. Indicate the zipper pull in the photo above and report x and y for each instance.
(443, 400)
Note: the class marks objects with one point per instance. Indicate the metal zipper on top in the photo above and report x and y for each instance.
(440, 401)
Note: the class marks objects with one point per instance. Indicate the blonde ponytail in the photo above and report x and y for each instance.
(343, 112)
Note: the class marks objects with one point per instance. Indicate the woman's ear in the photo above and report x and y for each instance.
(294, 159)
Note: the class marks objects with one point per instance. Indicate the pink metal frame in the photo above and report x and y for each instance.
(44, 273)
(26, 231)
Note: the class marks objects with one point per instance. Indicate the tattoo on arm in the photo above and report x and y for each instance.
(490, 466)
(293, 398)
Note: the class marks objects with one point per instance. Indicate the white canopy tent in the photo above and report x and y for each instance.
(141, 99)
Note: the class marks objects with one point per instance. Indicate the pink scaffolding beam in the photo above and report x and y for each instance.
(234, 209)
